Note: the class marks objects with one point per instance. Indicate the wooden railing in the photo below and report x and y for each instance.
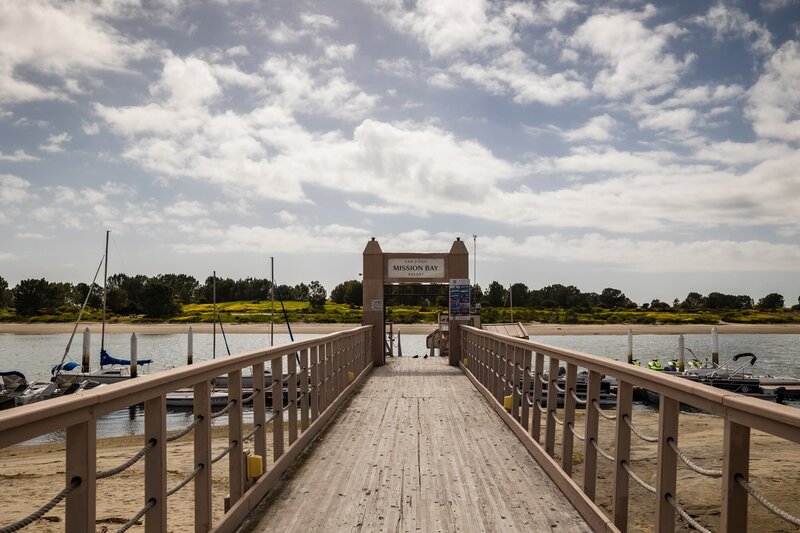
(508, 370)
(330, 368)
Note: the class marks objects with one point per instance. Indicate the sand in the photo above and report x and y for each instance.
(533, 329)
(32, 474)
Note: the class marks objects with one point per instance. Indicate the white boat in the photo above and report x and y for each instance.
(184, 398)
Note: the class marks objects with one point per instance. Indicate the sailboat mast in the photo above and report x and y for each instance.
(214, 318)
(272, 296)
(105, 293)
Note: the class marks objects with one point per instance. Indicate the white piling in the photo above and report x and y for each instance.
(681, 353)
(190, 348)
(399, 346)
(715, 345)
(134, 349)
(630, 346)
(87, 343)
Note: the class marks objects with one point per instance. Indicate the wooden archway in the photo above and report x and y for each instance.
(381, 268)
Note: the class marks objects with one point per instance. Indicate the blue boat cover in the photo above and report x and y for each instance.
(70, 365)
(106, 359)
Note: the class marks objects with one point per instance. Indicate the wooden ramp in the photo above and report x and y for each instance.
(416, 449)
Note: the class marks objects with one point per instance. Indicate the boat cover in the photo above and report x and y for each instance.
(106, 359)
(69, 365)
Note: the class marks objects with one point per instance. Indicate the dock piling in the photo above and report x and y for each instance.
(134, 349)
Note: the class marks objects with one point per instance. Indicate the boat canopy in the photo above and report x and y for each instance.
(106, 359)
(10, 373)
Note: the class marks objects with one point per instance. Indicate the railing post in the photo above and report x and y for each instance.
(155, 464)
(259, 411)
(314, 364)
(552, 407)
(291, 402)
(502, 367)
(538, 371)
(526, 388)
(567, 440)
(277, 408)
(622, 455)
(202, 456)
(516, 379)
(668, 412)
(81, 463)
(235, 461)
(304, 403)
(736, 460)
(592, 426)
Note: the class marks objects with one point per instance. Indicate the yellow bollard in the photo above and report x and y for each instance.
(351, 377)
(507, 402)
(466, 362)
(255, 466)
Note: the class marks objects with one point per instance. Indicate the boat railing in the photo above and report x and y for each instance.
(511, 374)
(330, 368)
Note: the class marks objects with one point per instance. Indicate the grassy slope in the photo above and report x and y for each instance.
(245, 312)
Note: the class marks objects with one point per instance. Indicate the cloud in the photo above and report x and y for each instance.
(596, 129)
(649, 255)
(13, 189)
(186, 209)
(90, 128)
(17, 156)
(773, 103)
(728, 21)
(238, 51)
(62, 39)
(54, 143)
(634, 58)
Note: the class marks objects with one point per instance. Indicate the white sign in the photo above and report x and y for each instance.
(416, 267)
(377, 305)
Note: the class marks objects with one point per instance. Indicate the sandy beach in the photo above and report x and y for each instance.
(533, 329)
(32, 474)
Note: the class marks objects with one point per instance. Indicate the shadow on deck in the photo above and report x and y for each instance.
(417, 448)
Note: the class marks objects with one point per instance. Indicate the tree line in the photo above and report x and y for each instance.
(156, 296)
(163, 295)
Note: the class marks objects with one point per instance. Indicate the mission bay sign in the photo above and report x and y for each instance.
(416, 267)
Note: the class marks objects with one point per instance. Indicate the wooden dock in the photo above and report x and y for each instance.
(417, 449)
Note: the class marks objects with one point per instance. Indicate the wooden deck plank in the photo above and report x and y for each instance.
(417, 449)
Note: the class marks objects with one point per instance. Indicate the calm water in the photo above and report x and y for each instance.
(34, 355)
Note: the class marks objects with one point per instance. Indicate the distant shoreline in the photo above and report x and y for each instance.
(411, 329)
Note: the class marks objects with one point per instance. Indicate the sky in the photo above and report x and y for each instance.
(650, 147)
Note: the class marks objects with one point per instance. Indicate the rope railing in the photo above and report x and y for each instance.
(133, 521)
(225, 410)
(129, 463)
(187, 429)
(636, 431)
(579, 436)
(683, 514)
(529, 399)
(556, 419)
(645, 485)
(185, 480)
(600, 450)
(43, 510)
(691, 464)
(578, 399)
(543, 380)
(252, 432)
(765, 502)
(600, 410)
(562, 390)
(541, 409)
(249, 397)
(224, 452)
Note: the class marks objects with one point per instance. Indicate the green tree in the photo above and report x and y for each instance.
(158, 300)
(495, 295)
(5, 294)
(772, 300)
(316, 296)
(519, 294)
(183, 286)
(612, 298)
(694, 300)
(31, 296)
(96, 298)
(349, 292)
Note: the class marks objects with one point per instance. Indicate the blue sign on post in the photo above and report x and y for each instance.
(459, 297)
